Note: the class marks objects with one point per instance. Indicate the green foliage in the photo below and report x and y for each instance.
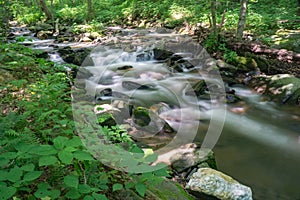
(40, 155)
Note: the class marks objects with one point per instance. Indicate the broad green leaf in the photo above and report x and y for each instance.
(74, 142)
(99, 196)
(44, 190)
(141, 189)
(162, 172)
(88, 197)
(73, 194)
(41, 192)
(47, 160)
(66, 157)
(84, 189)
(117, 186)
(129, 185)
(8, 155)
(43, 150)
(30, 167)
(54, 194)
(7, 192)
(30, 176)
(71, 181)
(83, 155)
(3, 175)
(59, 142)
(4, 161)
(15, 174)
(70, 149)
(23, 147)
(151, 157)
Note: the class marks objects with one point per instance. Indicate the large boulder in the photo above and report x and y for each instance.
(282, 88)
(184, 160)
(74, 56)
(219, 185)
(187, 157)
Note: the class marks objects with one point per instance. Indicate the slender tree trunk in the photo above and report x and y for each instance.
(90, 10)
(242, 19)
(213, 9)
(45, 9)
(298, 7)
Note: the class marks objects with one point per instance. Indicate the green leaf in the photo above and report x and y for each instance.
(8, 155)
(24, 148)
(83, 155)
(84, 189)
(59, 142)
(15, 174)
(70, 149)
(162, 172)
(73, 194)
(99, 196)
(3, 175)
(151, 157)
(74, 142)
(88, 197)
(43, 191)
(28, 168)
(129, 185)
(47, 160)
(117, 186)
(43, 150)
(66, 157)
(71, 181)
(141, 189)
(7, 192)
(30, 176)
(4, 162)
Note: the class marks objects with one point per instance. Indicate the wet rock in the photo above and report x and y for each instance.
(141, 116)
(40, 26)
(160, 54)
(42, 35)
(42, 54)
(85, 39)
(217, 184)
(183, 160)
(187, 156)
(74, 56)
(225, 66)
(282, 88)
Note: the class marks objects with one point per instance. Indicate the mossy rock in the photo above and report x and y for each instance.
(168, 190)
(283, 88)
(246, 64)
(262, 63)
(141, 116)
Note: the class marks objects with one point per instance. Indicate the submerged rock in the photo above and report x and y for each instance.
(217, 184)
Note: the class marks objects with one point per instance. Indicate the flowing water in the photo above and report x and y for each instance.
(260, 141)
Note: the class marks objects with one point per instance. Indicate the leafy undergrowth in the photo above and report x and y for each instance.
(41, 157)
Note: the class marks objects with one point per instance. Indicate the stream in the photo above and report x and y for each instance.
(259, 144)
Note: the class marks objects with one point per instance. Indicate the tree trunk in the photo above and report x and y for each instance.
(213, 9)
(45, 9)
(298, 7)
(242, 19)
(90, 10)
